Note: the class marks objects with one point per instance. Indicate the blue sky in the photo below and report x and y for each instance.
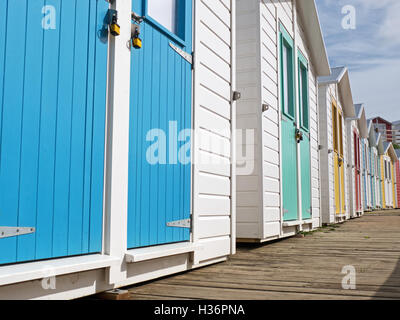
(371, 51)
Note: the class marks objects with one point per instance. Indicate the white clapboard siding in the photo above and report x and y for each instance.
(212, 202)
(259, 192)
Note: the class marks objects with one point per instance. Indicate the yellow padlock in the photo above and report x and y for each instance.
(137, 43)
(115, 29)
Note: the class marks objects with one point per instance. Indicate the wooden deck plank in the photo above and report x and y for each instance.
(299, 268)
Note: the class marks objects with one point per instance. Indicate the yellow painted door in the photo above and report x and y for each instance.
(341, 164)
(342, 193)
(383, 179)
(337, 188)
(336, 168)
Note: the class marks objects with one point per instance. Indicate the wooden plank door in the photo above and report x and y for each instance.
(357, 170)
(288, 128)
(336, 166)
(398, 182)
(383, 181)
(341, 164)
(160, 123)
(372, 177)
(53, 67)
(305, 143)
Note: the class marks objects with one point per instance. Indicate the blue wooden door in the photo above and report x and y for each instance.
(160, 123)
(53, 75)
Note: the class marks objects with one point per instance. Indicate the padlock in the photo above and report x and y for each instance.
(115, 29)
(135, 33)
(137, 43)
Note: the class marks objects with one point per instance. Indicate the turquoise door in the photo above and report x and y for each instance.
(160, 123)
(53, 76)
(288, 128)
(305, 151)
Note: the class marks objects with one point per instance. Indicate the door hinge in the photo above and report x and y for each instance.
(7, 232)
(186, 223)
(187, 56)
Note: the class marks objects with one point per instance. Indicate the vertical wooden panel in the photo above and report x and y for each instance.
(12, 109)
(159, 192)
(289, 171)
(52, 124)
(305, 158)
(30, 128)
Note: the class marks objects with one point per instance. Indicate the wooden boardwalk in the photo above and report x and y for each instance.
(299, 268)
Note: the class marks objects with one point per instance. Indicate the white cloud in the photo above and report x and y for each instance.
(371, 51)
(379, 89)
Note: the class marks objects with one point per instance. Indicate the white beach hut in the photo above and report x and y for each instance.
(335, 104)
(280, 54)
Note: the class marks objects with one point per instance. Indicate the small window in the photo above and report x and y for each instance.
(340, 134)
(287, 71)
(303, 92)
(164, 12)
(386, 174)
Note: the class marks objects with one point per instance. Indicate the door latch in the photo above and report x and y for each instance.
(115, 29)
(135, 40)
(299, 135)
(135, 33)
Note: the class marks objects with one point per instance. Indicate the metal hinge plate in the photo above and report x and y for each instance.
(7, 232)
(186, 223)
(187, 56)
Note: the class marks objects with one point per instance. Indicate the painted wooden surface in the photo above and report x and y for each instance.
(357, 172)
(299, 268)
(305, 177)
(289, 171)
(160, 124)
(214, 180)
(393, 176)
(259, 192)
(398, 182)
(52, 126)
(383, 182)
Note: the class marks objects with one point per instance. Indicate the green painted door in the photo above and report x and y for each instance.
(288, 128)
(305, 151)
(295, 136)
(305, 177)
(289, 170)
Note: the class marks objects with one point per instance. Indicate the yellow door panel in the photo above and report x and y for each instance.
(342, 193)
(383, 183)
(337, 183)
